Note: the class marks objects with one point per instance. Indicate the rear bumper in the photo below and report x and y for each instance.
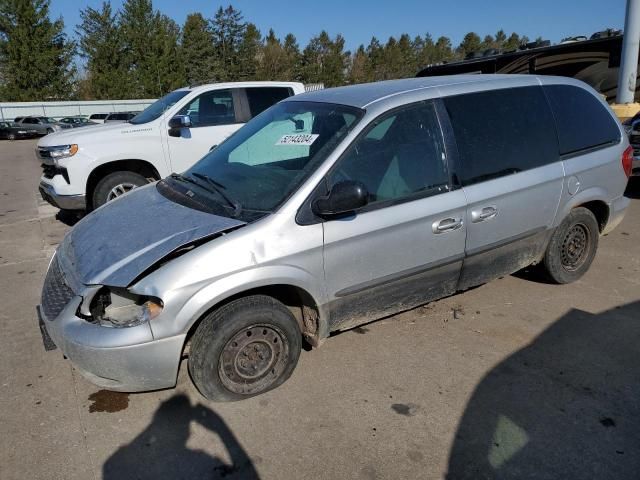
(635, 166)
(121, 359)
(63, 202)
(617, 209)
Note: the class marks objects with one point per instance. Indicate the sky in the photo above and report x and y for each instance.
(359, 20)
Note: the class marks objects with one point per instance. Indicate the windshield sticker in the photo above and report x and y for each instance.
(298, 139)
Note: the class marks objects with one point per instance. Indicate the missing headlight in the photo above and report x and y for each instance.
(113, 307)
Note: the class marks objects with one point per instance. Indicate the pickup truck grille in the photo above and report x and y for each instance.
(49, 171)
(56, 294)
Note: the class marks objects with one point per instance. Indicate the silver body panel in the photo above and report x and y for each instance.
(355, 269)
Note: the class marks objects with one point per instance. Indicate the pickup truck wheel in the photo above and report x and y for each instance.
(245, 348)
(114, 185)
(572, 247)
(49, 130)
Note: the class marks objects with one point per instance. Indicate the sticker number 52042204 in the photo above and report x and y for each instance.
(298, 139)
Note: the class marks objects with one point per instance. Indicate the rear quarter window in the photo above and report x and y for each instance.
(582, 121)
(500, 132)
(261, 98)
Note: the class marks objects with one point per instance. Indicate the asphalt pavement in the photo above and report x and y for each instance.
(514, 379)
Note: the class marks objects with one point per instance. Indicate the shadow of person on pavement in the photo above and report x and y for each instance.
(565, 406)
(160, 451)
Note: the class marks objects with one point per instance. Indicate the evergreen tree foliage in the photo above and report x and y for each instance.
(197, 50)
(36, 57)
(228, 33)
(136, 52)
(101, 44)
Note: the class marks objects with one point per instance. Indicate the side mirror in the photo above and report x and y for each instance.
(344, 197)
(177, 123)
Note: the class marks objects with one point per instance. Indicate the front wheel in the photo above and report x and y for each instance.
(245, 348)
(115, 185)
(572, 247)
(11, 136)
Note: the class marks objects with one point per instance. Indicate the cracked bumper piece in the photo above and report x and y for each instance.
(63, 202)
(121, 359)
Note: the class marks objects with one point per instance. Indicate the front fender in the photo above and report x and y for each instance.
(212, 294)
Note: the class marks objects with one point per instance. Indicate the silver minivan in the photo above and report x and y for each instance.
(329, 210)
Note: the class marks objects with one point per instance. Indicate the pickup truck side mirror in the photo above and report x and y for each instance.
(177, 123)
(344, 197)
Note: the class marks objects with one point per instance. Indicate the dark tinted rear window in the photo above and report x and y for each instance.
(501, 132)
(261, 98)
(583, 122)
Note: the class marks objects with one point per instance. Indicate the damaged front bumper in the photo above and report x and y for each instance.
(121, 359)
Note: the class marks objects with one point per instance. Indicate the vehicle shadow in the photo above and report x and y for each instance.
(565, 406)
(633, 188)
(69, 218)
(161, 452)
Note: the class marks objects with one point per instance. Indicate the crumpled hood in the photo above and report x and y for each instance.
(119, 241)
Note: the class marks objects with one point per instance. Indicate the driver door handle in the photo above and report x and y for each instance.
(483, 214)
(446, 225)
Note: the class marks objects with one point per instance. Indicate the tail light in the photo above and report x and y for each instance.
(627, 161)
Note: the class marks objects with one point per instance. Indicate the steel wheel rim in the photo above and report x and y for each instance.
(120, 190)
(253, 359)
(575, 247)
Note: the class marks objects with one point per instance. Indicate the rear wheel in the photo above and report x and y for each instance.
(115, 185)
(49, 130)
(572, 247)
(245, 348)
(11, 136)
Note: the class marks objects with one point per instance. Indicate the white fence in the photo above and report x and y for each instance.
(11, 110)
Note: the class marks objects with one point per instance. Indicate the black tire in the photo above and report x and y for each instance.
(49, 130)
(11, 136)
(572, 247)
(103, 191)
(226, 366)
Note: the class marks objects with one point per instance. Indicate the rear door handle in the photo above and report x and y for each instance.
(446, 225)
(483, 214)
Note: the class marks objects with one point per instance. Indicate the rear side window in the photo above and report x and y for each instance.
(261, 98)
(501, 132)
(582, 121)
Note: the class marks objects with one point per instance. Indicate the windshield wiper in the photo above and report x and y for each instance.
(219, 189)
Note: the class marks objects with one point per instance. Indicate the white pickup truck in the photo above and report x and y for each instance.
(85, 168)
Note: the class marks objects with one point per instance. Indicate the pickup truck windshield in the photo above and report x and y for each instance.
(158, 107)
(268, 159)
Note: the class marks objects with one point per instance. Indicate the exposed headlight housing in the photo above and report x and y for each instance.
(119, 308)
(62, 151)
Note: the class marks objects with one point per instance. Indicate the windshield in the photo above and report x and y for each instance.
(266, 160)
(158, 107)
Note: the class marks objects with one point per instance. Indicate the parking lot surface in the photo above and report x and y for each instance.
(514, 379)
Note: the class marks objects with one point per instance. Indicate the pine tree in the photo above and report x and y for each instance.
(36, 58)
(501, 38)
(375, 52)
(152, 52)
(197, 50)
(470, 44)
(228, 31)
(324, 60)
(359, 68)
(274, 61)
(249, 54)
(512, 43)
(443, 50)
(294, 58)
(102, 46)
